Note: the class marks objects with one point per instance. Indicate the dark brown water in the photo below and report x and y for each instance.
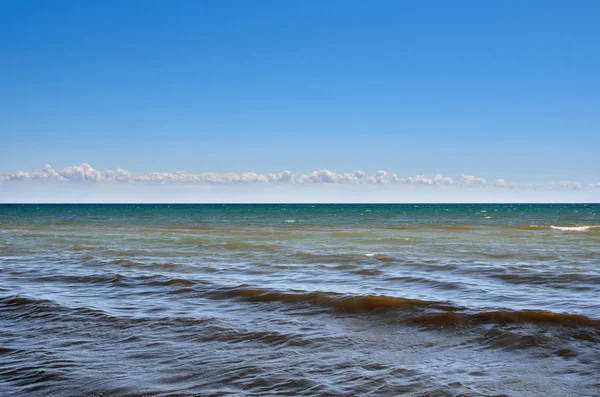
(331, 300)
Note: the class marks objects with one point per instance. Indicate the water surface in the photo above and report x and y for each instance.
(337, 300)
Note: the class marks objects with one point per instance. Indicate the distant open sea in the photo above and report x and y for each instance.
(326, 300)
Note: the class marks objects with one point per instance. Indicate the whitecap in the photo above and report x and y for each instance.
(574, 228)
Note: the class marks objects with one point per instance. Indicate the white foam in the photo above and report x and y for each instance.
(575, 228)
(291, 221)
(369, 254)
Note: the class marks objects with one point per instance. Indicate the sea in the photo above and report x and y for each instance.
(300, 300)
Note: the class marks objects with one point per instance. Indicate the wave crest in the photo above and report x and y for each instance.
(584, 228)
(344, 303)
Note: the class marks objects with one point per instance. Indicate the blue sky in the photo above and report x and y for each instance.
(505, 89)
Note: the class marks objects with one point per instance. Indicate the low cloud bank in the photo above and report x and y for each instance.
(84, 173)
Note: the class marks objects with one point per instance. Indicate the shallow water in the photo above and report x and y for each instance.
(438, 300)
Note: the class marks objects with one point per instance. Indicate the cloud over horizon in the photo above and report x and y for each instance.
(85, 173)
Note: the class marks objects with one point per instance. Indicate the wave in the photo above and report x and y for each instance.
(458, 227)
(120, 280)
(496, 255)
(399, 227)
(381, 257)
(16, 301)
(551, 279)
(428, 313)
(430, 282)
(198, 227)
(177, 281)
(19, 307)
(416, 311)
(348, 234)
(368, 272)
(244, 245)
(507, 317)
(342, 258)
(109, 278)
(581, 228)
(575, 228)
(341, 302)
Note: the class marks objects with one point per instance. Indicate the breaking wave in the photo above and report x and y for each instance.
(575, 228)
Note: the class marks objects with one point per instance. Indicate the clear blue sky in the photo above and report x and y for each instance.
(491, 88)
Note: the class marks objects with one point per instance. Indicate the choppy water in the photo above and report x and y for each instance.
(337, 300)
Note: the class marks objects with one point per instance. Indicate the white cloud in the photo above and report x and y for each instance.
(471, 180)
(440, 180)
(84, 173)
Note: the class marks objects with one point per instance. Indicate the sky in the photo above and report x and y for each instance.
(504, 91)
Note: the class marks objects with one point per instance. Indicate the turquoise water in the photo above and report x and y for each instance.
(300, 299)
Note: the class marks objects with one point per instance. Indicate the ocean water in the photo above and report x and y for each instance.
(328, 300)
